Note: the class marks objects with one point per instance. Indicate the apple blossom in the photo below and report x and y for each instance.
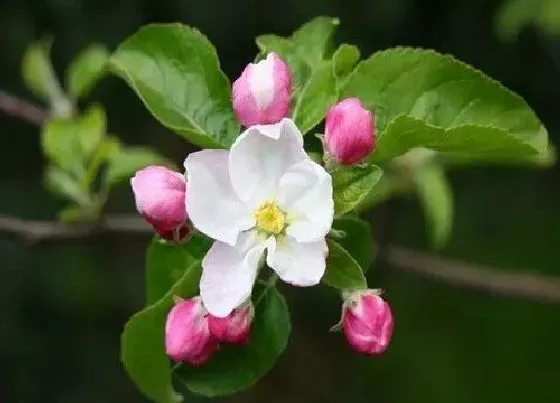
(265, 194)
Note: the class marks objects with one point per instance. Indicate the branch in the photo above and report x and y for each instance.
(39, 231)
(16, 107)
(533, 287)
(522, 285)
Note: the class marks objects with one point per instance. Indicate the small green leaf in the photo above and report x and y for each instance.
(125, 161)
(286, 50)
(60, 141)
(315, 98)
(37, 70)
(234, 368)
(453, 107)
(86, 70)
(304, 51)
(175, 71)
(513, 16)
(313, 39)
(344, 60)
(352, 184)
(166, 263)
(91, 128)
(62, 183)
(142, 342)
(436, 198)
(358, 241)
(343, 272)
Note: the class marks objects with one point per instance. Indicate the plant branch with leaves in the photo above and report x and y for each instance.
(280, 199)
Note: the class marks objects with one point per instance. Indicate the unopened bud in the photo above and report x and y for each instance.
(349, 132)
(234, 328)
(261, 95)
(187, 334)
(367, 322)
(160, 197)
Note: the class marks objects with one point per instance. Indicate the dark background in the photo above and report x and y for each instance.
(62, 306)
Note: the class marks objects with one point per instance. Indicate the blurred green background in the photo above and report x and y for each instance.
(63, 305)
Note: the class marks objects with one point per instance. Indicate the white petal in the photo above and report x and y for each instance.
(301, 264)
(305, 193)
(211, 202)
(260, 156)
(261, 81)
(229, 272)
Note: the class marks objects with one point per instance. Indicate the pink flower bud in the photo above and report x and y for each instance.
(262, 94)
(187, 335)
(235, 327)
(160, 197)
(349, 132)
(367, 322)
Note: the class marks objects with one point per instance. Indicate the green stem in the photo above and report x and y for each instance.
(271, 282)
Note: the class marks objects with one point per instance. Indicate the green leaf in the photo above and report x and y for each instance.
(69, 143)
(344, 60)
(86, 70)
(37, 70)
(315, 98)
(436, 198)
(234, 369)
(450, 105)
(358, 241)
(142, 342)
(304, 51)
(125, 161)
(513, 16)
(60, 141)
(91, 128)
(166, 263)
(312, 40)
(175, 71)
(62, 183)
(285, 48)
(352, 184)
(468, 143)
(343, 272)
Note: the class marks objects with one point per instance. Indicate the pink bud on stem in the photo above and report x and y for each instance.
(367, 322)
(160, 197)
(349, 132)
(261, 95)
(187, 334)
(235, 327)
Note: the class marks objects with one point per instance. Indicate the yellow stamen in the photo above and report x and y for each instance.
(270, 218)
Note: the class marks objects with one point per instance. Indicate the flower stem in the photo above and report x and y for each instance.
(270, 282)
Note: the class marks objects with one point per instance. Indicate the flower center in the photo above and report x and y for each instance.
(270, 218)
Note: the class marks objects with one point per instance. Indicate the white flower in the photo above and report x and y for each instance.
(263, 194)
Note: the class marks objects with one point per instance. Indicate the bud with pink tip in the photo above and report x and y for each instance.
(261, 95)
(367, 322)
(160, 197)
(349, 132)
(187, 334)
(235, 327)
